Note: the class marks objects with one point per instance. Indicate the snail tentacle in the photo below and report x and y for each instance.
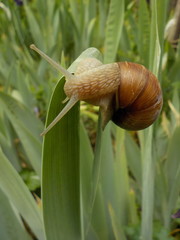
(73, 100)
(66, 73)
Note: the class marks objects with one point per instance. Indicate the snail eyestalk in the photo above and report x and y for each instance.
(68, 106)
(67, 74)
(65, 100)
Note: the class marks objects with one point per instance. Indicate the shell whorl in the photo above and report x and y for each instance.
(138, 99)
(128, 93)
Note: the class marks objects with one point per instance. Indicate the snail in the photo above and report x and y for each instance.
(127, 93)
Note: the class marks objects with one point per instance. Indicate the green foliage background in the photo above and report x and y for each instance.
(126, 186)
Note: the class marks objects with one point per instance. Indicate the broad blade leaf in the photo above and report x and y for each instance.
(61, 168)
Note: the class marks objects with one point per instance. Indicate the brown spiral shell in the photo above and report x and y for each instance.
(138, 100)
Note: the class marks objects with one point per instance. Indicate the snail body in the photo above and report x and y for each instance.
(127, 93)
(104, 80)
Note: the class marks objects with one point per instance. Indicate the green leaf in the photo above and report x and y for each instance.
(60, 180)
(162, 10)
(95, 211)
(118, 232)
(61, 168)
(173, 173)
(147, 143)
(99, 223)
(133, 214)
(34, 27)
(155, 49)
(113, 29)
(27, 126)
(95, 173)
(86, 160)
(147, 186)
(11, 226)
(122, 180)
(77, 12)
(133, 156)
(144, 31)
(7, 145)
(19, 195)
(103, 7)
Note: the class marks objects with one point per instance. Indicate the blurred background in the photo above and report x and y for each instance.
(131, 30)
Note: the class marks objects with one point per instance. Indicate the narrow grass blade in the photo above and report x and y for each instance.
(77, 13)
(121, 177)
(118, 232)
(17, 192)
(133, 157)
(147, 147)
(155, 49)
(11, 226)
(103, 9)
(27, 127)
(34, 27)
(95, 172)
(22, 86)
(173, 173)
(98, 214)
(86, 161)
(7, 145)
(175, 110)
(106, 188)
(107, 179)
(147, 187)
(86, 155)
(99, 222)
(162, 10)
(113, 29)
(144, 32)
(133, 214)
